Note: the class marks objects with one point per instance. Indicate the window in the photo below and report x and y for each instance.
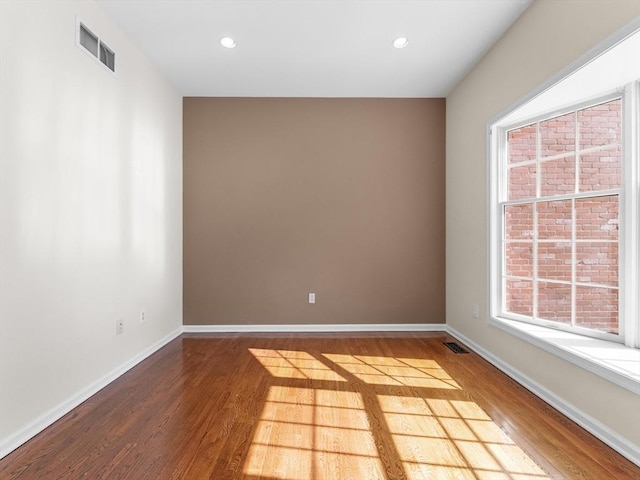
(564, 221)
(560, 216)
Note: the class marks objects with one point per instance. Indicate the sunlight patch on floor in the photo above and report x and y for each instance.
(324, 433)
(294, 364)
(411, 372)
(313, 434)
(434, 436)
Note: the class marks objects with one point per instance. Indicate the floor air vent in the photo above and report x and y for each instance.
(455, 348)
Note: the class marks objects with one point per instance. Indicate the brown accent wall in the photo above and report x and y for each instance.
(341, 197)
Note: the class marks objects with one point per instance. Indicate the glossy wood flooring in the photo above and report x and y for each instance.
(325, 407)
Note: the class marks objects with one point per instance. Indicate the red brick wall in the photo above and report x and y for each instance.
(553, 143)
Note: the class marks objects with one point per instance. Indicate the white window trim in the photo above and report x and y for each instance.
(617, 363)
(499, 163)
(610, 360)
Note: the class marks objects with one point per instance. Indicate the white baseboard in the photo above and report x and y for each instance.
(322, 328)
(605, 434)
(31, 430)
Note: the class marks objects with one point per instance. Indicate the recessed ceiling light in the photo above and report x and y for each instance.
(227, 42)
(400, 42)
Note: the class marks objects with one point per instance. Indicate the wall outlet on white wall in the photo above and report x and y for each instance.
(143, 316)
(120, 326)
(475, 313)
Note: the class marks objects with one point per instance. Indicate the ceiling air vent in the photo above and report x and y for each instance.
(90, 42)
(107, 57)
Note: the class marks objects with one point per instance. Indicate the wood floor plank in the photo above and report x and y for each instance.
(315, 407)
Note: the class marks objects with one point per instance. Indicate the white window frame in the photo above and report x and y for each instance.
(500, 163)
(619, 363)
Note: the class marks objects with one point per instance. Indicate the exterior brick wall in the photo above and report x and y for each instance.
(554, 220)
(597, 308)
(519, 297)
(522, 144)
(557, 135)
(543, 156)
(597, 263)
(554, 261)
(554, 301)
(597, 218)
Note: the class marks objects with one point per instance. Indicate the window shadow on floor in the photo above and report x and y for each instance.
(342, 416)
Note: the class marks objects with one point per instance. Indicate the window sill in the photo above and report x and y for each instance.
(613, 361)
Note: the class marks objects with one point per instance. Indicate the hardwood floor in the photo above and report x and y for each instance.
(314, 407)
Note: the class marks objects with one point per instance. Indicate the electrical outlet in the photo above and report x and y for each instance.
(474, 311)
(143, 317)
(120, 326)
(312, 298)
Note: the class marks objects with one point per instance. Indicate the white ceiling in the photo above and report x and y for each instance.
(314, 48)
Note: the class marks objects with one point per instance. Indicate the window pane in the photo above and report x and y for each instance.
(554, 220)
(558, 177)
(522, 182)
(597, 263)
(597, 218)
(519, 296)
(519, 222)
(554, 261)
(519, 258)
(601, 170)
(521, 144)
(554, 302)
(557, 135)
(600, 124)
(597, 308)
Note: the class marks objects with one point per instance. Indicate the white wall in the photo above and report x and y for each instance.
(546, 38)
(91, 212)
